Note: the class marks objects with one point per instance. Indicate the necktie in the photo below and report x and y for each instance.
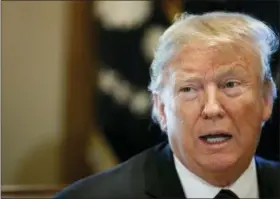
(226, 194)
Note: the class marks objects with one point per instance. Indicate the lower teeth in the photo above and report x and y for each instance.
(216, 140)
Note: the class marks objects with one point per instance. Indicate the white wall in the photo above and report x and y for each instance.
(34, 42)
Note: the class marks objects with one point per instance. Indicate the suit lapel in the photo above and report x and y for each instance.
(268, 179)
(161, 179)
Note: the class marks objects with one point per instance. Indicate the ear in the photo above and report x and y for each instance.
(267, 100)
(159, 108)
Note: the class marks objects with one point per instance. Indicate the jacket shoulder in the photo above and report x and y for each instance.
(268, 165)
(124, 180)
(268, 178)
(268, 169)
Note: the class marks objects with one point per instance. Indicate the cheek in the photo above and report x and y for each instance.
(246, 113)
(187, 112)
(173, 115)
(181, 121)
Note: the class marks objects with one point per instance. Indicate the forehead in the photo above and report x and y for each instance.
(206, 60)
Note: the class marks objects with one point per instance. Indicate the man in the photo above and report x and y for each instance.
(212, 92)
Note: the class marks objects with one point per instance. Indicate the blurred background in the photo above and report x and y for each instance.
(74, 78)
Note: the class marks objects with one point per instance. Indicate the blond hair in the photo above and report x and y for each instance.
(214, 28)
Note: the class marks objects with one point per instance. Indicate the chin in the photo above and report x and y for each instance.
(219, 162)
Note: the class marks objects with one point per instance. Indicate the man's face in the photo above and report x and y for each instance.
(213, 106)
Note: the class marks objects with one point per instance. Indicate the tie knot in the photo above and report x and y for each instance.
(225, 193)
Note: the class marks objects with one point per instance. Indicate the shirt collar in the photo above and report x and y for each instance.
(194, 187)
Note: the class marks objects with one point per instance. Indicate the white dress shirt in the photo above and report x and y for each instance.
(246, 185)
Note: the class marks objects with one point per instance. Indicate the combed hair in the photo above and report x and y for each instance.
(213, 28)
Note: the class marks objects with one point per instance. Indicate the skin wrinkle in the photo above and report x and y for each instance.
(183, 116)
(216, 78)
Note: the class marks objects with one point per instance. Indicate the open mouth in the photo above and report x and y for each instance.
(216, 138)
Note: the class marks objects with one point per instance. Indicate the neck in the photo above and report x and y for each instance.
(222, 178)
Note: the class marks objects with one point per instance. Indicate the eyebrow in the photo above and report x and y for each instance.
(237, 69)
(190, 79)
(188, 76)
(191, 76)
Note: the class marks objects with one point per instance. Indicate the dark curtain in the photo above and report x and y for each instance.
(122, 101)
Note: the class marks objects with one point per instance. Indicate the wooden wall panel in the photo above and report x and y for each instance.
(80, 84)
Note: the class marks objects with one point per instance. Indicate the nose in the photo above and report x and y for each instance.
(211, 107)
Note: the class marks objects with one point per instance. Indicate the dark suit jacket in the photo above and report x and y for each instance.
(152, 174)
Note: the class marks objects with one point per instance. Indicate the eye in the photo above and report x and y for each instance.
(186, 89)
(232, 88)
(188, 92)
(231, 84)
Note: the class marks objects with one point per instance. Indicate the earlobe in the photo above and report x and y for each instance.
(268, 104)
(267, 110)
(159, 105)
(162, 118)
